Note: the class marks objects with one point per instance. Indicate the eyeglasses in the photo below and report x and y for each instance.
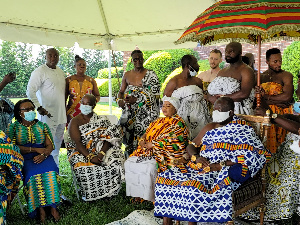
(138, 59)
(27, 109)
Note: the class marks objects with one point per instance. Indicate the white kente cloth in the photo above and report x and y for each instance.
(282, 190)
(194, 197)
(140, 178)
(95, 181)
(193, 108)
(229, 85)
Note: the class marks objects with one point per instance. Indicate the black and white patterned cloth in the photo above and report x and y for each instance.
(227, 86)
(95, 181)
(136, 118)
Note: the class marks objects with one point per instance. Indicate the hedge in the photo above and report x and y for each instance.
(103, 87)
(290, 61)
(103, 73)
(173, 74)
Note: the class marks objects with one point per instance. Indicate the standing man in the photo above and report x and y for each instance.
(46, 88)
(278, 90)
(215, 58)
(235, 81)
(139, 99)
(188, 89)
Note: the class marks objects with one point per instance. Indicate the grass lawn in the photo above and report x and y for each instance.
(97, 212)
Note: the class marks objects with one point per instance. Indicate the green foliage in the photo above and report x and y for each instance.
(103, 88)
(118, 59)
(173, 74)
(95, 60)
(290, 61)
(103, 73)
(66, 60)
(204, 65)
(160, 63)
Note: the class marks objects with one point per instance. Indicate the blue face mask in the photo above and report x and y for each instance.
(86, 109)
(297, 107)
(30, 116)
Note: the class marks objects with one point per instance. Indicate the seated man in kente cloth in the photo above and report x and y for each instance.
(161, 147)
(94, 152)
(224, 154)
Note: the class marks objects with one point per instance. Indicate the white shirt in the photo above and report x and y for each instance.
(46, 88)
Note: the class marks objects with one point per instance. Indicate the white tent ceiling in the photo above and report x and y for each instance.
(150, 25)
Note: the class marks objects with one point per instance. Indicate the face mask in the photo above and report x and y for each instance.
(219, 117)
(86, 109)
(295, 147)
(29, 116)
(297, 107)
(192, 71)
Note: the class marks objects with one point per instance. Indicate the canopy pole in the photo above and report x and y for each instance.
(258, 97)
(109, 83)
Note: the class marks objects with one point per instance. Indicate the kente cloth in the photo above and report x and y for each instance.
(169, 136)
(6, 113)
(282, 190)
(227, 86)
(193, 108)
(11, 162)
(276, 134)
(96, 181)
(136, 118)
(41, 181)
(76, 92)
(195, 197)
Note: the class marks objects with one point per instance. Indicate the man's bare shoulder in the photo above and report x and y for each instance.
(287, 74)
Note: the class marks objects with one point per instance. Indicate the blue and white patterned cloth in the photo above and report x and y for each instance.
(207, 197)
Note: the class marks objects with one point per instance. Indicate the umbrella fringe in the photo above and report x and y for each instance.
(247, 6)
(255, 5)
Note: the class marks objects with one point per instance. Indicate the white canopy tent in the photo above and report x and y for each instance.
(100, 24)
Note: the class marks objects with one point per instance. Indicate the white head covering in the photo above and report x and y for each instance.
(174, 101)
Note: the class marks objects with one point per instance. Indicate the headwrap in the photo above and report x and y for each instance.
(174, 101)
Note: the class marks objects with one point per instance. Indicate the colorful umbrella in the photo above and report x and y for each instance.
(245, 21)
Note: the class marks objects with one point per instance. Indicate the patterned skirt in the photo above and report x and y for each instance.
(193, 197)
(95, 181)
(41, 184)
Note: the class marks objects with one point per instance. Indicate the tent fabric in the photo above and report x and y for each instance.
(150, 25)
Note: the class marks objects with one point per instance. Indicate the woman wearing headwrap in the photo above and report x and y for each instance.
(160, 148)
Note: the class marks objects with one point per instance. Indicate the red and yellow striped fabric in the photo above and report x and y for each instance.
(244, 20)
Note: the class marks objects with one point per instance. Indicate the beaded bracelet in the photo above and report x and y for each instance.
(196, 146)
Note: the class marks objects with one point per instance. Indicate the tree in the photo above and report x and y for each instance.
(95, 60)
(66, 60)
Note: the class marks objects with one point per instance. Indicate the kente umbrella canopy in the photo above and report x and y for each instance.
(245, 21)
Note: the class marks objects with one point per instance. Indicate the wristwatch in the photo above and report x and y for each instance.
(222, 164)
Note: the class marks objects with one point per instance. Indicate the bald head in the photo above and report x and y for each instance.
(52, 57)
(236, 46)
(224, 104)
(89, 99)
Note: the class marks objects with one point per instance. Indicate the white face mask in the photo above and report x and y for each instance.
(219, 117)
(295, 147)
(192, 71)
(86, 109)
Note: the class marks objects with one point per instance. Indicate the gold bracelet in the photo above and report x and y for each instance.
(90, 156)
(193, 143)
(102, 152)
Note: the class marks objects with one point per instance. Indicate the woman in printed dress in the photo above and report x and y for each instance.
(41, 174)
(77, 86)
